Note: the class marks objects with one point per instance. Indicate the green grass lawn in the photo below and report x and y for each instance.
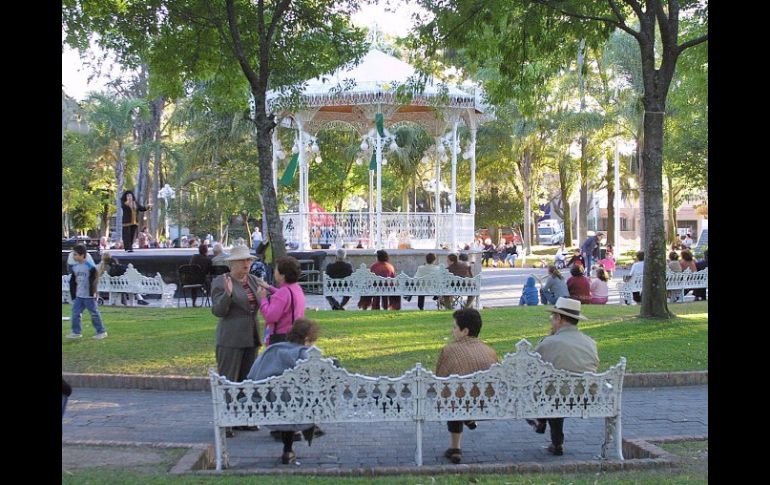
(170, 341)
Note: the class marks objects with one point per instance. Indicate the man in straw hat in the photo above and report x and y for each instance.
(569, 349)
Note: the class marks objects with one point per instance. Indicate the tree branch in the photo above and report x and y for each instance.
(277, 16)
(635, 6)
(621, 26)
(238, 45)
(663, 20)
(693, 42)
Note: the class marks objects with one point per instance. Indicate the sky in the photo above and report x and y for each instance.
(75, 75)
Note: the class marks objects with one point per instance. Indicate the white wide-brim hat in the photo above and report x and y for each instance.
(568, 307)
(240, 252)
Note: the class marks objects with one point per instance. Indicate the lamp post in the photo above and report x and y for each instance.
(166, 193)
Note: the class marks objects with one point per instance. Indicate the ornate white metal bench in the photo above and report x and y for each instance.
(521, 386)
(365, 283)
(674, 281)
(131, 282)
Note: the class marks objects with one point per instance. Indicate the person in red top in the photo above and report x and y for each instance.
(579, 285)
(381, 268)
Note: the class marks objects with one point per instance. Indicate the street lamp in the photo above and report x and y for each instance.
(167, 192)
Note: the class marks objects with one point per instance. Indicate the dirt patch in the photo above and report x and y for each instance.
(87, 456)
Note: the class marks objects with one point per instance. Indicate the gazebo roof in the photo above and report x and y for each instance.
(373, 81)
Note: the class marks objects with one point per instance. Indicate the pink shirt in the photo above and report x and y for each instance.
(277, 310)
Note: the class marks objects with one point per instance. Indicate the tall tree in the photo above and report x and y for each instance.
(113, 127)
(510, 34)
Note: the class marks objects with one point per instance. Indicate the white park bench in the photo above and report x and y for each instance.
(674, 281)
(521, 386)
(365, 283)
(131, 282)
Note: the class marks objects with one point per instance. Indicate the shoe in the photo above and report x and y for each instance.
(142, 302)
(537, 424)
(471, 424)
(246, 428)
(74, 335)
(557, 450)
(288, 457)
(100, 336)
(318, 432)
(455, 455)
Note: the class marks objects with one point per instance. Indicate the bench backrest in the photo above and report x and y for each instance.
(674, 281)
(311, 392)
(315, 391)
(365, 283)
(132, 281)
(522, 386)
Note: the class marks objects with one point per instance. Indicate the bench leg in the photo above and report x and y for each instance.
(220, 448)
(418, 451)
(612, 431)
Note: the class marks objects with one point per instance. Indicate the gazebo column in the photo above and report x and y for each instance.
(275, 160)
(473, 173)
(453, 195)
(437, 186)
(304, 209)
(378, 149)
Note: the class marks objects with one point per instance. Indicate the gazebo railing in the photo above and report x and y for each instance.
(421, 230)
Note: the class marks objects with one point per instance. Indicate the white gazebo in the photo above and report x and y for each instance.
(363, 98)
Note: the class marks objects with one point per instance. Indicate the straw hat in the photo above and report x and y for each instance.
(568, 307)
(240, 252)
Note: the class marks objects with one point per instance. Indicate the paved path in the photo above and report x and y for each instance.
(186, 417)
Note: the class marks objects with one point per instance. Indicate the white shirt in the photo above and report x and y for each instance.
(637, 268)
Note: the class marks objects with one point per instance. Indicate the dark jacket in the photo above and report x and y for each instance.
(339, 269)
(460, 268)
(92, 282)
(203, 261)
(127, 219)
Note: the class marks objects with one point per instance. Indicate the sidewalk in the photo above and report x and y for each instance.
(186, 417)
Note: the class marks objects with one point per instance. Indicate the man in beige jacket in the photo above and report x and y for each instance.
(569, 349)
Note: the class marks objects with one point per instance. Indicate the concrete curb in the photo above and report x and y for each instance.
(185, 383)
(640, 454)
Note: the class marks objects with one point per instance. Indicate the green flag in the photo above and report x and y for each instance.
(291, 169)
(378, 121)
(373, 161)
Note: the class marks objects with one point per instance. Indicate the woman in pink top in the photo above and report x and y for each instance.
(599, 290)
(285, 304)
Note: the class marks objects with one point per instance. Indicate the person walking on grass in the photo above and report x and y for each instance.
(465, 355)
(83, 291)
(567, 348)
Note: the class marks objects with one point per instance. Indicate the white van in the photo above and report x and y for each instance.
(550, 231)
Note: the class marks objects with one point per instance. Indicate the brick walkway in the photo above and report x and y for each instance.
(186, 417)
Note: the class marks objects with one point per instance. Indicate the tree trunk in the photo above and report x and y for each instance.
(640, 177)
(583, 203)
(157, 106)
(526, 183)
(120, 168)
(610, 179)
(671, 227)
(654, 280)
(105, 222)
(265, 151)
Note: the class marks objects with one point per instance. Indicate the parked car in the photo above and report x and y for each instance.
(550, 231)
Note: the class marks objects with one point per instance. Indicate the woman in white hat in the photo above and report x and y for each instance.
(235, 301)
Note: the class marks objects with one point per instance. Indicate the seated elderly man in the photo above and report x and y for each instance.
(219, 255)
(465, 355)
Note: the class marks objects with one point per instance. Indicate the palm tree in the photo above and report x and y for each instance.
(112, 120)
